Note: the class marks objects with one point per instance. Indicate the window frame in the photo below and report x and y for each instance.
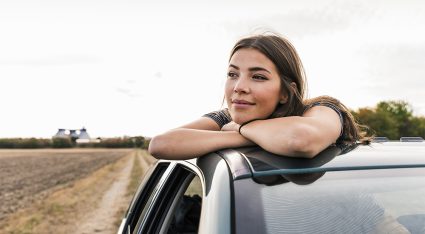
(150, 182)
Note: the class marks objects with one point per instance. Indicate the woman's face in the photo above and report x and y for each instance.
(253, 86)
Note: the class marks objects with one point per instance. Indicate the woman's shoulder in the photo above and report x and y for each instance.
(221, 117)
(222, 112)
(330, 102)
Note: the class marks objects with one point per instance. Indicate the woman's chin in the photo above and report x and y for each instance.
(241, 120)
(238, 120)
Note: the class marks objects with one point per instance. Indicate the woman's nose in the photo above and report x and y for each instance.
(241, 85)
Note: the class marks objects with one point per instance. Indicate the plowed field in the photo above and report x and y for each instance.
(28, 175)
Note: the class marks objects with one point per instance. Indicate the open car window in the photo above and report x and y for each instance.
(186, 213)
(176, 207)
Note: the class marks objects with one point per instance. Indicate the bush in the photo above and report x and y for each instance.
(25, 143)
(118, 142)
(8, 143)
(146, 144)
(62, 143)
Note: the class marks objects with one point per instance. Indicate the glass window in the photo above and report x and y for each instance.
(364, 201)
(185, 217)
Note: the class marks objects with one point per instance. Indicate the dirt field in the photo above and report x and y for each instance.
(58, 190)
(26, 174)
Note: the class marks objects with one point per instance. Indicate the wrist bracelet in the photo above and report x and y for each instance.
(240, 126)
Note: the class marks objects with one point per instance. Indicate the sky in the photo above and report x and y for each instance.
(127, 68)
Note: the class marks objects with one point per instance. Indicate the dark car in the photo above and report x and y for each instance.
(379, 188)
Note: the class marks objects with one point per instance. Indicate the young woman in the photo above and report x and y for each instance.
(264, 92)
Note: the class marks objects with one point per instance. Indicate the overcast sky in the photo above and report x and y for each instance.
(138, 68)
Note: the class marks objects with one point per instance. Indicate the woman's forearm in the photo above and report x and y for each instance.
(185, 143)
(284, 136)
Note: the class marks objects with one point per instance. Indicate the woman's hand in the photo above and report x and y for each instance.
(231, 126)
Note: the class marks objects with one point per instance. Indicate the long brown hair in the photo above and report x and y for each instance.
(288, 64)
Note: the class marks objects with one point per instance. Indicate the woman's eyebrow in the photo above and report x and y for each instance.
(251, 68)
(258, 69)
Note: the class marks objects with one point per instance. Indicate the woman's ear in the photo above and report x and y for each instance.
(284, 97)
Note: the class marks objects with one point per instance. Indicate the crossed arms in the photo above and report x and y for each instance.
(297, 136)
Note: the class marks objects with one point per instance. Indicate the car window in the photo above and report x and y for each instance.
(367, 201)
(176, 207)
(185, 217)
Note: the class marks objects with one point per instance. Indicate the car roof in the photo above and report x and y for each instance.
(256, 162)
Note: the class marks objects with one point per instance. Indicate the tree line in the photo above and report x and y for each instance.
(35, 143)
(391, 119)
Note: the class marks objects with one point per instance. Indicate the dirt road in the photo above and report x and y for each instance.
(116, 198)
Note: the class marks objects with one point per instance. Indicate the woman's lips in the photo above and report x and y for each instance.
(242, 104)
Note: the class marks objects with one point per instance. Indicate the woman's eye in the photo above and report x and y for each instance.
(231, 75)
(258, 77)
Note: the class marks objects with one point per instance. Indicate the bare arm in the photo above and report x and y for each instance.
(298, 136)
(195, 139)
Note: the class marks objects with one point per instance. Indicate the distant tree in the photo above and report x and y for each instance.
(392, 119)
(401, 112)
(146, 144)
(25, 143)
(117, 142)
(138, 141)
(379, 123)
(7, 143)
(62, 143)
(417, 125)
